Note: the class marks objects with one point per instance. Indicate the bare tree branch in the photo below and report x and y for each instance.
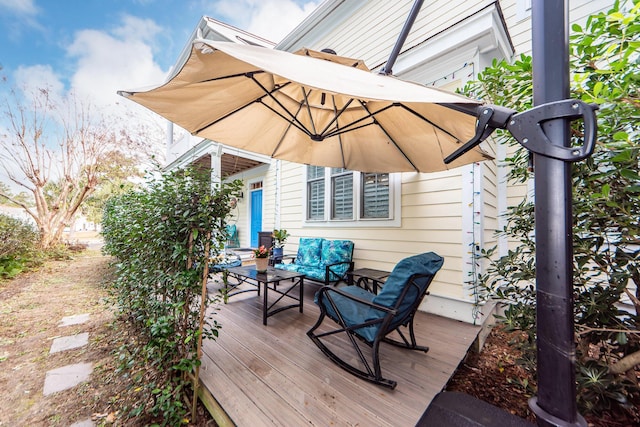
(55, 150)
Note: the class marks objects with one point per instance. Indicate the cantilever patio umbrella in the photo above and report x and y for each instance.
(224, 91)
(313, 108)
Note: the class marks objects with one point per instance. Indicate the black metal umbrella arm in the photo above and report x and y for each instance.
(527, 129)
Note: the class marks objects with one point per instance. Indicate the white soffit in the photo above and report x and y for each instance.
(483, 32)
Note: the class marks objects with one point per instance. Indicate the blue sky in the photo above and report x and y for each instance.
(96, 47)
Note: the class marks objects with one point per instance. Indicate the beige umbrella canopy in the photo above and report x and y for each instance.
(314, 108)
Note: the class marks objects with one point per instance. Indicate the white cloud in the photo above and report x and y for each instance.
(270, 19)
(19, 7)
(36, 77)
(18, 17)
(110, 62)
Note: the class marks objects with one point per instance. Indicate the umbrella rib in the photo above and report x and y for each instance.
(335, 111)
(335, 118)
(351, 126)
(230, 76)
(389, 136)
(267, 93)
(275, 150)
(291, 119)
(306, 101)
(441, 129)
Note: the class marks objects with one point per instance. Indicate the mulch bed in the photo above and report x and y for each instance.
(494, 376)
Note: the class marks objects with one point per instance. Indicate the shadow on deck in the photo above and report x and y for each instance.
(274, 375)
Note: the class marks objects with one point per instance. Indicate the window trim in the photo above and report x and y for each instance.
(394, 220)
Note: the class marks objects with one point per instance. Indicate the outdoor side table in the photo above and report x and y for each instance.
(368, 278)
(271, 283)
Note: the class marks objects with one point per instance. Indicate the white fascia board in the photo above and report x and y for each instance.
(207, 146)
(218, 30)
(202, 148)
(212, 29)
(321, 22)
(482, 32)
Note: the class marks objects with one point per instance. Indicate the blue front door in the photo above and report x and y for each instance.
(256, 216)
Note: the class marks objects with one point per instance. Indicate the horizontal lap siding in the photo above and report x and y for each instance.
(520, 30)
(372, 32)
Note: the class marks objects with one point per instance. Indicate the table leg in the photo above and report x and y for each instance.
(301, 292)
(264, 303)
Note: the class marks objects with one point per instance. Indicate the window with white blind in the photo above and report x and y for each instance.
(375, 195)
(343, 197)
(315, 193)
(341, 194)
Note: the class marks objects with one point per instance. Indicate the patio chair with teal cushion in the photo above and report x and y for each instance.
(371, 318)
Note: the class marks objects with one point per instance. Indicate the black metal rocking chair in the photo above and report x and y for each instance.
(370, 318)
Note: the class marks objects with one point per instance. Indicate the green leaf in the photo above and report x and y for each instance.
(621, 338)
(620, 136)
(597, 89)
(629, 174)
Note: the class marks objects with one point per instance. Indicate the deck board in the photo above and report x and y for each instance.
(275, 375)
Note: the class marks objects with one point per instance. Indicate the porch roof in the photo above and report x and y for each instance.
(233, 164)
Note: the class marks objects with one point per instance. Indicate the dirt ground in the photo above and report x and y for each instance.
(494, 376)
(31, 307)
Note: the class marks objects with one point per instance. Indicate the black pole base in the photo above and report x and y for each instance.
(455, 409)
(551, 420)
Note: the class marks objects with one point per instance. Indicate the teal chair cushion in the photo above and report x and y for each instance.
(310, 252)
(427, 263)
(334, 251)
(288, 267)
(352, 313)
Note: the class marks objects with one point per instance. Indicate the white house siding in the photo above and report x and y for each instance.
(371, 33)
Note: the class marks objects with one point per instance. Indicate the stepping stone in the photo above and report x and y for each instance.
(74, 320)
(84, 423)
(66, 377)
(69, 342)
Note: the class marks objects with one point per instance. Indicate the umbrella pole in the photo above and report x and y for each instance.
(555, 404)
(388, 67)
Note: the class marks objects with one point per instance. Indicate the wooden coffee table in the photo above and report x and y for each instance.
(270, 281)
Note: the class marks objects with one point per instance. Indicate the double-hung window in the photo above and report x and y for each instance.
(340, 196)
(315, 193)
(375, 195)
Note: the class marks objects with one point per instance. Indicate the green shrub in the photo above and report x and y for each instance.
(18, 240)
(159, 236)
(605, 65)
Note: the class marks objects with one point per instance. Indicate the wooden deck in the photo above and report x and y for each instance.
(275, 376)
